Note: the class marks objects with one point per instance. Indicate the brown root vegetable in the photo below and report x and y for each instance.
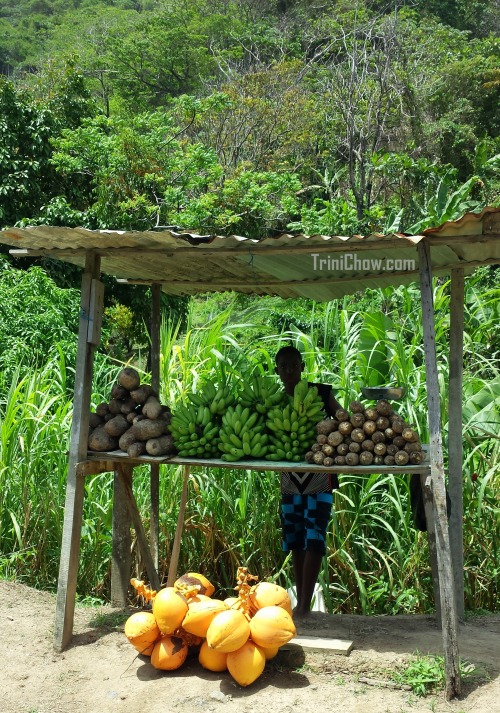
(99, 440)
(102, 409)
(389, 460)
(117, 426)
(136, 449)
(392, 449)
(345, 428)
(354, 447)
(369, 427)
(399, 441)
(352, 459)
(342, 415)
(389, 433)
(164, 445)
(319, 457)
(126, 440)
(378, 437)
(142, 393)
(335, 437)
(343, 449)
(146, 429)
(95, 420)
(327, 449)
(365, 458)
(409, 434)
(340, 460)
(128, 406)
(358, 435)
(401, 458)
(411, 447)
(326, 426)
(321, 439)
(368, 445)
(398, 425)
(382, 423)
(417, 457)
(119, 392)
(357, 419)
(109, 416)
(309, 457)
(152, 408)
(131, 416)
(383, 407)
(378, 460)
(328, 461)
(129, 378)
(315, 447)
(371, 414)
(115, 406)
(356, 407)
(380, 449)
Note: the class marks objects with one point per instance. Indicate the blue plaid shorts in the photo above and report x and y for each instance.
(304, 521)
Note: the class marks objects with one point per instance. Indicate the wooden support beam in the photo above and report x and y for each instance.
(176, 547)
(73, 509)
(455, 436)
(154, 527)
(121, 548)
(446, 584)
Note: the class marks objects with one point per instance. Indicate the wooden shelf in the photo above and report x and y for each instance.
(103, 462)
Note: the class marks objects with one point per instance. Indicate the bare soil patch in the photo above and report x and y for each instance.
(99, 672)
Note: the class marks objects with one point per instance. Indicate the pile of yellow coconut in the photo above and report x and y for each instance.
(238, 634)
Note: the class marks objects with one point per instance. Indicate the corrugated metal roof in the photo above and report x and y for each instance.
(318, 267)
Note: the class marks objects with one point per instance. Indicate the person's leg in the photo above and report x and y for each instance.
(317, 512)
(293, 536)
(298, 574)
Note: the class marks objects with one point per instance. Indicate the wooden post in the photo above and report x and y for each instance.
(176, 547)
(446, 585)
(426, 482)
(121, 549)
(73, 509)
(154, 527)
(455, 436)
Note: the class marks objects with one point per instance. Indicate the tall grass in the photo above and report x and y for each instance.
(376, 561)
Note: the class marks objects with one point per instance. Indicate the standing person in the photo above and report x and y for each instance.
(306, 498)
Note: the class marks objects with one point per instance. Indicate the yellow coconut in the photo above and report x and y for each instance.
(196, 579)
(265, 594)
(169, 653)
(142, 631)
(270, 652)
(169, 609)
(229, 601)
(211, 659)
(272, 626)
(200, 614)
(228, 631)
(246, 664)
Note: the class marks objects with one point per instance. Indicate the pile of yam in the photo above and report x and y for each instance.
(375, 435)
(133, 420)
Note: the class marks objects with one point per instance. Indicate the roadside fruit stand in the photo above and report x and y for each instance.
(315, 267)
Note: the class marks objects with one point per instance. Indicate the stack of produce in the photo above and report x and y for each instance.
(242, 434)
(133, 420)
(195, 427)
(364, 436)
(238, 634)
(292, 427)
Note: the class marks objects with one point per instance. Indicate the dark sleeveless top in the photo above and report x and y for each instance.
(308, 483)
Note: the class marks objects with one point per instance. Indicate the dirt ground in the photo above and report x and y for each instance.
(99, 673)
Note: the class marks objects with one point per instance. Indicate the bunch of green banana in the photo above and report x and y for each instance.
(292, 428)
(195, 431)
(242, 434)
(217, 398)
(261, 393)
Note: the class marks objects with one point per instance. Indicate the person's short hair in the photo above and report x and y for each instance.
(287, 351)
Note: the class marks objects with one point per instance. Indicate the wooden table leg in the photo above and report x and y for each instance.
(431, 538)
(121, 562)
